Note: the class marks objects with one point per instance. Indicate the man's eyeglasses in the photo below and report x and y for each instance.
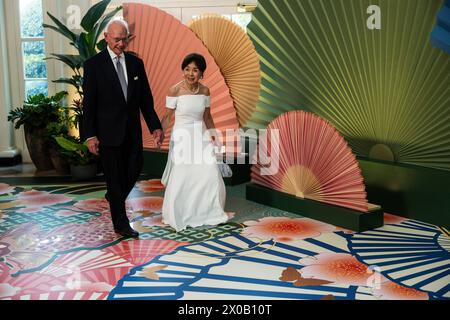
(116, 40)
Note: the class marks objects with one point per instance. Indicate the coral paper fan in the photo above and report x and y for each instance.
(314, 160)
(237, 58)
(162, 42)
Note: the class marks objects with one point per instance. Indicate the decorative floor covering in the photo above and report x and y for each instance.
(57, 243)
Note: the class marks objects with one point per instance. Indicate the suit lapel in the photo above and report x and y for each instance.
(130, 75)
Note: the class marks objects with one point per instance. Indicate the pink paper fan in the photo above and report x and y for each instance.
(162, 42)
(315, 162)
(110, 276)
(85, 260)
(139, 252)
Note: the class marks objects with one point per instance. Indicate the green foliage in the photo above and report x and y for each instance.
(75, 151)
(38, 111)
(77, 112)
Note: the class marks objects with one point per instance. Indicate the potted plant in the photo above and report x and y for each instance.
(54, 129)
(37, 113)
(83, 164)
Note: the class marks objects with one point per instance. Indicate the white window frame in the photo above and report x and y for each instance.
(16, 66)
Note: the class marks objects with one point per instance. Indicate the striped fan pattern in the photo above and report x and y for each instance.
(236, 57)
(162, 42)
(386, 90)
(314, 161)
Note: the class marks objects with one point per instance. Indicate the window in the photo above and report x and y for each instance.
(33, 47)
(242, 19)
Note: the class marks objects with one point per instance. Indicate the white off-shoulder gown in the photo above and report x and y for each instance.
(195, 192)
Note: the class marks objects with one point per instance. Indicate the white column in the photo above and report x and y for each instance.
(9, 155)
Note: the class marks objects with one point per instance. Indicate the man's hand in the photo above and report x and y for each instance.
(92, 145)
(158, 135)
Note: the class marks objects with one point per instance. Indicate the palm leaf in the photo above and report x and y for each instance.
(73, 61)
(93, 15)
(61, 28)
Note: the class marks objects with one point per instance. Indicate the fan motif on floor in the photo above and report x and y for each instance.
(387, 91)
(314, 161)
(162, 42)
(236, 57)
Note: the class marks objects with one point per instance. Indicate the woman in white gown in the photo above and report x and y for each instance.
(195, 192)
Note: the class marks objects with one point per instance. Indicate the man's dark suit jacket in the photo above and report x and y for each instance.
(106, 113)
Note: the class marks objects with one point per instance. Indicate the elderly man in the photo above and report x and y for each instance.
(116, 90)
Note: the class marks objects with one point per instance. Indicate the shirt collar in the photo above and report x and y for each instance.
(113, 55)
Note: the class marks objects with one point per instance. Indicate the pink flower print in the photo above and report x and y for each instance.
(39, 199)
(340, 268)
(285, 229)
(393, 291)
(93, 205)
(6, 188)
(149, 186)
(152, 204)
(392, 219)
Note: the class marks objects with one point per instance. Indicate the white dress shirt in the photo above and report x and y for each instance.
(122, 62)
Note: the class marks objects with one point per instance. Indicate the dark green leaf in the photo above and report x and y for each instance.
(61, 28)
(93, 14)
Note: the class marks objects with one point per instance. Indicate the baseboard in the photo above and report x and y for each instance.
(410, 191)
(10, 161)
(338, 216)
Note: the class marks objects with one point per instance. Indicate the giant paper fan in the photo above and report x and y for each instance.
(387, 91)
(314, 161)
(236, 57)
(162, 42)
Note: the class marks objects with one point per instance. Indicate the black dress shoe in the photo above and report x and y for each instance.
(127, 233)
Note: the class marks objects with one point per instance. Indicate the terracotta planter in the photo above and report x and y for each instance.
(60, 164)
(39, 148)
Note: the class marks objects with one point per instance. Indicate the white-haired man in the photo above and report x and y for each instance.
(116, 91)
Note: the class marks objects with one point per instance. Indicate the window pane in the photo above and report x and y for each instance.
(242, 19)
(33, 63)
(31, 18)
(36, 87)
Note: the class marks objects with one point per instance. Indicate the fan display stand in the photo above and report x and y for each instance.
(305, 166)
(410, 191)
(336, 215)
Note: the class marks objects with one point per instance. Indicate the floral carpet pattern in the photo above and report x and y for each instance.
(57, 243)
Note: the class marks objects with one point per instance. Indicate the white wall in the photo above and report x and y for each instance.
(184, 10)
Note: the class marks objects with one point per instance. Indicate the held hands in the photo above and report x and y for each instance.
(158, 136)
(92, 145)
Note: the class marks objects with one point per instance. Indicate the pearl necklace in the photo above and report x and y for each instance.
(193, 92)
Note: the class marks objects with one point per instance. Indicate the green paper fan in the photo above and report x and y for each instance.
(387, 91)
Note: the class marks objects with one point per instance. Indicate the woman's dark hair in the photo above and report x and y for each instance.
(198, 59)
